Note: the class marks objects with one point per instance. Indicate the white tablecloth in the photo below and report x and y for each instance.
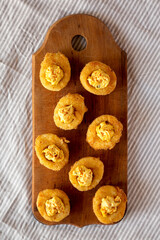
(135, 26)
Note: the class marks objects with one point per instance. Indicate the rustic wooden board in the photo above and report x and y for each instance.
(102, 47)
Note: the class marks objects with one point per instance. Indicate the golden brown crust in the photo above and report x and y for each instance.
(77, 101)
(112, 191)
(47, 194)
(95, 164)
(95, 142)
(43, 141)
(60, 60)
(87, 71)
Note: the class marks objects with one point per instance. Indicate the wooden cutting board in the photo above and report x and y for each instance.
(102, 47)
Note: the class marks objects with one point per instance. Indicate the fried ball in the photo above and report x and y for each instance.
(69, 111)
(86, 173)
(98, 78)
(55, 71)
(109, 204)
(52, 151)
(53, 204)
(104, 132)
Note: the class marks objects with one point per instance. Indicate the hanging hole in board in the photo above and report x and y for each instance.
(79, 43)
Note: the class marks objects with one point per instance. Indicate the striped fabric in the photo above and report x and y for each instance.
(135, 25)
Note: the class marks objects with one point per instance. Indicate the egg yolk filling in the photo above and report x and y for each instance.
(54, 206)
(54, 74)
(84, 175)
(66, 114)
(53, 153)
(105, 131)
(99, 79)
(109, 205)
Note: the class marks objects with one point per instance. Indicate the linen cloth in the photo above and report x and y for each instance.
(135, 25)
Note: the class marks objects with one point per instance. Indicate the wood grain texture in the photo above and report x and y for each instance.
(102, 47)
